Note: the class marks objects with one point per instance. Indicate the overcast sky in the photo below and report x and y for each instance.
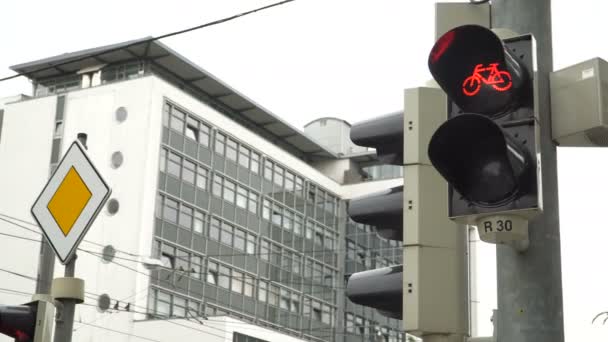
(345, 58)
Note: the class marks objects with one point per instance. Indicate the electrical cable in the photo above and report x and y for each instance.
(167, 35)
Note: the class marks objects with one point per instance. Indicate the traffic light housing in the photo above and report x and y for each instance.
(487, 150)
(18, 321)
(30, 322)
(381, 289)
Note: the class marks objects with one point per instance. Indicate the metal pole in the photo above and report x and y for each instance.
(46, 267)
(529, 284)
(65, 323)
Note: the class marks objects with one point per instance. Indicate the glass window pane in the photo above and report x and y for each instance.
(224, 278)
(201, 178)
(255, 162)
(226, 234)
(214, 229)
(244, 156)
(170, 211)
(217, 185)
(251, 245)
(220, 141)
(188, 171)
(262, 291)
(177, 120)
(253, 202)
(264, 250)
(174, 165)
(163, 160)
(239, 239)
(231, 149)
(229, 188)
(268, 167)
(278, 175)
(198, 222)
(203, 137)
(237, 282)
(185, 217)
(241, 197)
(192, 129)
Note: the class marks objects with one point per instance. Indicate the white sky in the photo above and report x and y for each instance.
(345, 58)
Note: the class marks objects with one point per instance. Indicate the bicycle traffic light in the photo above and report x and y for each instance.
(382, 288)
(487, 149)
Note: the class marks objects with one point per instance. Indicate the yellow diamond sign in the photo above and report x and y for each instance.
(70, 201)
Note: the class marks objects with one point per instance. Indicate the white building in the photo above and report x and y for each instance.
(246, 213)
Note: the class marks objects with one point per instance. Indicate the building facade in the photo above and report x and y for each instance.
(245, 215)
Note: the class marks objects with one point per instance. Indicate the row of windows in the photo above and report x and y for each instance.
(232, 236)
(121, 72)
(186, 125)
(291, 221)
(362, 255)
(183, 168)
(364, 229)
(238, 153)
(295, 263)
(178, 213)
(166, 304)
(361, 326)
(235, 193)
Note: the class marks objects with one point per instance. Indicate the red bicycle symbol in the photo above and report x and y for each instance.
(499, 80)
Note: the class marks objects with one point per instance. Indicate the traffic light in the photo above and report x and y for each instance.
(382, 288)
(31, 322)
(487, 150)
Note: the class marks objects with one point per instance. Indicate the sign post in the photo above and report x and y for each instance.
(65, 210)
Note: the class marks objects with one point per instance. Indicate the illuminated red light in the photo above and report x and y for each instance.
(442, 45)
(500, 80)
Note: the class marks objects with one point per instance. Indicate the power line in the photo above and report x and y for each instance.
(148, 40)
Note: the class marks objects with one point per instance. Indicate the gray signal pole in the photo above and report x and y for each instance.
(530, 305)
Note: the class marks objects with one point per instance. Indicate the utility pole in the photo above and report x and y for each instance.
(530, 305)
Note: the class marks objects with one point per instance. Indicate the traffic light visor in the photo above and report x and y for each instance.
(482, 163)
(472, 66)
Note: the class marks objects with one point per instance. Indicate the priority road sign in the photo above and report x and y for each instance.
(70, 202)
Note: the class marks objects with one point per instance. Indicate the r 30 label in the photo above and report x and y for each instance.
(498, 226)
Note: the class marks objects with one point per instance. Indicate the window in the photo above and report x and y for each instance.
(268, 166)
(360, 326)
(203, 136)
(273, 298)
(297, 224)
(244, 156)
(224, 277)
(237, 282)
(239, 239)
(181, 262)
(192, 129)
(170, 210)
(278, 175)
(220, 142)
(167, 256)
(248, 289)
(212, 274)
(163, 160)
(226, 236)
(306, 307)
(201, 178)
(214, 229)
(255, 162)
(289, 181)
(266, 209)
(174, 165)
(188, 171)
(262, 291)
(288, 220)
(319, 236)
(185, 216)
(316, 310)
(217, 185)
(196, 267)
(350, 323)
(231, 147)
(251, 245)
(297, 264)
(177, 120)
(229, 188)
(284, 303)
(199, 219)
(163, 304)
(299, 186)
(253, 202)
(241, 197)
(276, 215)
(295, 303)
(264, 250)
